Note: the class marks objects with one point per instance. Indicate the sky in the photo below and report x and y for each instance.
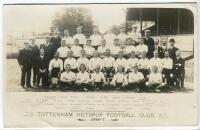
(38, 18)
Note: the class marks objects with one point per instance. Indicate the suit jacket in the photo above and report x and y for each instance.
(49, 51)
(161, 53)
(35, 52)
(172, 53)
(150, 44)
(24, 58)
(179, 67)
(56, 41)
(42, 63)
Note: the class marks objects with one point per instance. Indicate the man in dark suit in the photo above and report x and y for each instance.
(49, 49)
(25, 63)
(35, 52)
(179, 70)
(172, 49)
(56, 40)
(150, 44)
(42, 64)
(159, 49)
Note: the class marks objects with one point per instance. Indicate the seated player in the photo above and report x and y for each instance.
(55, 68)
(108, 65)
(83, 60)
(95, 61)
(83, 79)
(88, 48)
(156, 61)
(72, 61)
(76, 49)
(63, 51)
(167, 65)
(143, 65)
(141, 48)
(155, 82)
(98, 79)
(135, 80)
(131, 62)
(67, 78)
(121, 61)
(102, 48)
(120, 79)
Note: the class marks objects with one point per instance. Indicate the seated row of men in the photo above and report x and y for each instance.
(134, 80)
(108, 66)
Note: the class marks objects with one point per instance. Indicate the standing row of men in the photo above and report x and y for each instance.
(43, 62)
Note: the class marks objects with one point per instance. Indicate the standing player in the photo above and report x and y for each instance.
(129, 48)
(63, 51)
(134, 34)
(110, 37)
(115, 49)
(69, 40)
(96, 38)
(25, 63)
(102, 48)
(67, 78)
(72, 61)
(141, 48)
(76, 49)
(89, 49)
(81, 38)
(122, 36)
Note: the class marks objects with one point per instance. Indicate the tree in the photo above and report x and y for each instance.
(71, 18)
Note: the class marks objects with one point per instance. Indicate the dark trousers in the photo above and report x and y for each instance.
(167, 72)
(63, 59)
(97, 85)
(55, 72)
(145, 72)
(152, 87)
(83, 86)
(66, 85)
(179, 79)
(26, 76)
(133, 86)
(44, 77)
(35, 74)
(109, 72)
